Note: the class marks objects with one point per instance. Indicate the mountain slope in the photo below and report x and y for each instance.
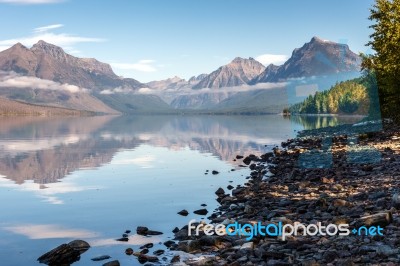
(10, 107)
(269, 71)
(315, 58)
(238, 72)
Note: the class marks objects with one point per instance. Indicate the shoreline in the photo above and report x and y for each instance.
(347, 192)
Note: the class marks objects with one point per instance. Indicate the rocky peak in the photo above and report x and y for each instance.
(49, 49)
(95, 66)
(238, 72)
(315, 58)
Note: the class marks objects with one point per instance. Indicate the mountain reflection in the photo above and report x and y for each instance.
(47, 149)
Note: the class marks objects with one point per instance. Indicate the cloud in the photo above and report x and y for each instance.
(123, 90)
(276, 59)
(47, 28)
(142, 66)
(31, 2)
(67, 41)
(13, 80)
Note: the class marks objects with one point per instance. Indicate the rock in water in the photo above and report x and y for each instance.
(201, 212)
(65, 254)
(142, 230)
(183, 213)
(79, 245)
(99, 258)
(112, 263)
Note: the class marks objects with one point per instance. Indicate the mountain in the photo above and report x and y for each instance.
(269, 71)
(48, 76)
(238, 72)
(315, 58)
(196, 79)
(50, 62)
(166, 84)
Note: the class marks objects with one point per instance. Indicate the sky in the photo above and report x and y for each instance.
(158, 39)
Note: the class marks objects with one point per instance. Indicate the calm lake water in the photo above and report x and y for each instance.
(92, 178)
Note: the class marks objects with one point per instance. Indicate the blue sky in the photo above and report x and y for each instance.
(156, 39)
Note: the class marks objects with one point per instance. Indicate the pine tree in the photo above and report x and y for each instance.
(385, 63)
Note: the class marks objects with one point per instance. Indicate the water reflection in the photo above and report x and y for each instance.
(46, 150)
(321, 121)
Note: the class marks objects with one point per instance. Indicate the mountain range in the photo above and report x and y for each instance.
(45, 75)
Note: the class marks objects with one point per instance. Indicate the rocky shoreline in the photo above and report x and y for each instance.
(280, 190)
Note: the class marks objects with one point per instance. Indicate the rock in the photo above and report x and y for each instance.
(127, 231)
(129, 251)
(99, 258)
(175, 259)
(65, 254)
(144, 251)
(214, 172)
(169, 243)
(339, 203)
(154, 233)
(112, 263)
(142, 230)
(145, 258)
(158, 252)
(230, 187)
(237, 191)
(377, 195)
(247, 160)
(330, 256)
(148, 245)
(79, 245)
(201, 212)
(176, 230)
(239, 157)
(183, 213)
(220, 191)
(247, 245)
(386, 250)
(396, 201)
(382, 219)
(123, 239)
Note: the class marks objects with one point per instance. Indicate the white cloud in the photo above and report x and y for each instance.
(13, 80)
(49, 27)
(142, 66)
(276, 59)
(31, 2)
(124, 90)
(67, 41)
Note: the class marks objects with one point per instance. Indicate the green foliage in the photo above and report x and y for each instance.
(348, 97)
(385, 40)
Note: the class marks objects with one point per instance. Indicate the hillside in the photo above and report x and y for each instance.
(345, 98)
(9, 107)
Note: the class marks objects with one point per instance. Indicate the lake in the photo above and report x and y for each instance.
(92, 178)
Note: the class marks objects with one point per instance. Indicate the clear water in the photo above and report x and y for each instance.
(92, 178)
